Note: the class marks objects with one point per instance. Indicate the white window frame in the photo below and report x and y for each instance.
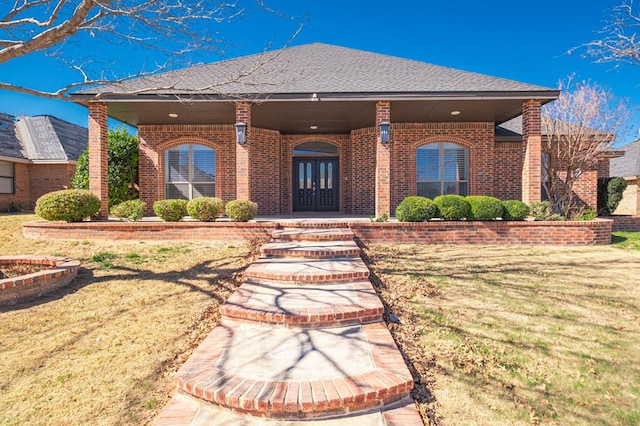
(12, 177)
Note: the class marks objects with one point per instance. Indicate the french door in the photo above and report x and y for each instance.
(315, 184)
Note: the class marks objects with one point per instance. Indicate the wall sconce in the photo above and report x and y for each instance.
(241, 133)
(384, 131)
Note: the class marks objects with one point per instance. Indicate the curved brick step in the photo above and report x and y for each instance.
(308, 271)
(295, 306)
(184, 410)
(314, 224)
(311, 249)
(287, 373)
(313, 234)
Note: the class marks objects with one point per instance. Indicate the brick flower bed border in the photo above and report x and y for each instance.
(434, 232)
(56, 272)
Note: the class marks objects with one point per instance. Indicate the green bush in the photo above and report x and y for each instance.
(484, 207)
(515, 210)
(381, 219)
(452, 207)
(71, 205)
(588, 214)
(170, 210)
(241, 210)
(541, 210)
(122, 154)
(206, 209)
(132, 210)
(416, 209)
(610, 194)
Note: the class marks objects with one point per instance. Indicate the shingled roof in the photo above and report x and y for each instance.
(41, 139)
(317, 68)
(629, 164)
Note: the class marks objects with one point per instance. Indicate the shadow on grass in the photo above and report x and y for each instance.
(618, 239)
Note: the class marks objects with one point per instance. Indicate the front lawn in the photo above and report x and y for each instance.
(102, 351)
(518, 335)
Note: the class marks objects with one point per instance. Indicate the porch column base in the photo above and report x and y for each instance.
(98, 155)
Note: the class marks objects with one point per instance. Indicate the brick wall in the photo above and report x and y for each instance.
(433, 232)
(603, 167)
(625, 223)
(532, 149)
(406, 138)
(508, 171)
(45, 178)
(264, 170)
(363, 160)
(585, 189)
(156, 139)
(98, 146)
(20, 197)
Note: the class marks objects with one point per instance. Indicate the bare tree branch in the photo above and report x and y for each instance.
(619, 41)
(167, 29)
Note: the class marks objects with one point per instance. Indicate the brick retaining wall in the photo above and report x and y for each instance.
(625, 223)
(434, 232)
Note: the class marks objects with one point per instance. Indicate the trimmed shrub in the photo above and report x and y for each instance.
(541, 210)
(71, 205)
(515, 210)
(206, 209)
(484, 207)
(416, 209)
(452, 207)
(131, 210)
(610, 194)
(170, 210)
(241, 210)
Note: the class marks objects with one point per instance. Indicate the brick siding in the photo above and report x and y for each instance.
(34, 180)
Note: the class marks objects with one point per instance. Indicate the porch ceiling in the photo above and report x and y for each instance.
(297, 117)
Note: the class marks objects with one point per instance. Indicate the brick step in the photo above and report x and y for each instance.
(313, 224)
(311, 249)
(185, 410)
(297, 373)
(302, 234)
(300, 270)
(320, 305)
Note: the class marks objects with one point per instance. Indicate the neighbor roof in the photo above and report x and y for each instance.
(629, 164)
(41, 138)
(322, 69)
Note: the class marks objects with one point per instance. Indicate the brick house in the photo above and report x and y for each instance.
(323, 128)
(37, 155)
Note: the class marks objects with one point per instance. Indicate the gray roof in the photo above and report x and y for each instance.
(41, 138)
(317, 68)
(629, 164)
(10, 145)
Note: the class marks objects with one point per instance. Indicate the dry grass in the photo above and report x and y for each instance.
(102, 350)
(515, 335)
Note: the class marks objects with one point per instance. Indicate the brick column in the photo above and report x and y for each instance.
(98, 168)
(532, 146)
(383, 161)
(243, 186)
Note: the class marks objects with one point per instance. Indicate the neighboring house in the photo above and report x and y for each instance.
(318, 128)
(628, 167)
(37, 155)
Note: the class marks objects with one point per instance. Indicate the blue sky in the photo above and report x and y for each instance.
(524, 41)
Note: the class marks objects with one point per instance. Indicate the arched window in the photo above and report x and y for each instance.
(315, 148)
(442, 168)
(190, 172)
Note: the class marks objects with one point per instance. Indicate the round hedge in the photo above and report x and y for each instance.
(206, 209)
(131, 210)
(515, 210)
(484, 207)
(416, 209)
(170, 210)
(71, 205)
(241, 210)
(452, 207)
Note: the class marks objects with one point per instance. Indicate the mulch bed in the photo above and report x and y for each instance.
(18, 269)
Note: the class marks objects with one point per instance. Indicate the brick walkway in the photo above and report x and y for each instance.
(302, 339)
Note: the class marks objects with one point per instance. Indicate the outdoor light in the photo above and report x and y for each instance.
(314, 97)
(384, 132)
(241, 133)
(455, 112)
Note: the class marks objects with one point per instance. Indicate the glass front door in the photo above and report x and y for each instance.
(315, 184)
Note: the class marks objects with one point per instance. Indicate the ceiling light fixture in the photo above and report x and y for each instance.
(313, 127)
(173, 115)
(455, 112)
